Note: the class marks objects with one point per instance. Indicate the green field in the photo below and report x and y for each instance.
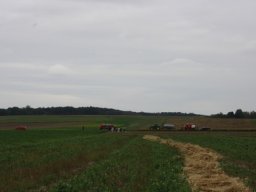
(134, 122)
(72, 160)
(54, 154)
(238, 149)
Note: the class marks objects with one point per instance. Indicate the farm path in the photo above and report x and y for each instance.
(202, 168)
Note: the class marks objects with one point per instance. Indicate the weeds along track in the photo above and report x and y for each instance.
(202, 168)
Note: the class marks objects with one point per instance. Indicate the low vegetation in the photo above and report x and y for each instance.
(56, 154)
(130, 122)
(138, 166)
(238, 149)
(37, 158)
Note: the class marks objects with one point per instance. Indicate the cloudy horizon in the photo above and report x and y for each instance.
(154, 56)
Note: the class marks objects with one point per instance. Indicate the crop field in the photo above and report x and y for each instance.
(129, 122)
(55, 154)
(238, 149)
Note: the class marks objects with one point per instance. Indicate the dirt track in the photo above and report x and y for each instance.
(202, 168)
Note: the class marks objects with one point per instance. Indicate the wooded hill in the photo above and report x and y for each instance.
(79, 111)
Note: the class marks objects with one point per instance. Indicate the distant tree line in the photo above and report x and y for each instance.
(62, 111)
(79, 111)
(239, 114)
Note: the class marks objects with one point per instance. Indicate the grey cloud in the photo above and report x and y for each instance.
(190, 56)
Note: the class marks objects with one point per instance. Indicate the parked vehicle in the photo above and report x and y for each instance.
(111, 127)
(168, 126)
(155, 127)
(21, 128)
(189, 127)
(107, 126)
(165, 126)
(205, 129)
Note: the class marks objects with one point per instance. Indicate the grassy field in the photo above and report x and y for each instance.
(238, 149)
(129, 122)
(54, 154)
(36, 158)
(139, 166)
(79, 161)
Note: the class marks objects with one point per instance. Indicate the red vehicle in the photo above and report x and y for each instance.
(106, 126)
(21, 128)
(190, 127)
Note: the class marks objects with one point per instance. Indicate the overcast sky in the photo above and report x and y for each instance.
(142, 55)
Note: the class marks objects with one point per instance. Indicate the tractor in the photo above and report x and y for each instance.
(189, 127)
(155, 127)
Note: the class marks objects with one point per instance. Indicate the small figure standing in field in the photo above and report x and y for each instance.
(83, 127)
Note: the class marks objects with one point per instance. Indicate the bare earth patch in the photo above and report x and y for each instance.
(202, 168)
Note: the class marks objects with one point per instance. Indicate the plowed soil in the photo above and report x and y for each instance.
(202, 169)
